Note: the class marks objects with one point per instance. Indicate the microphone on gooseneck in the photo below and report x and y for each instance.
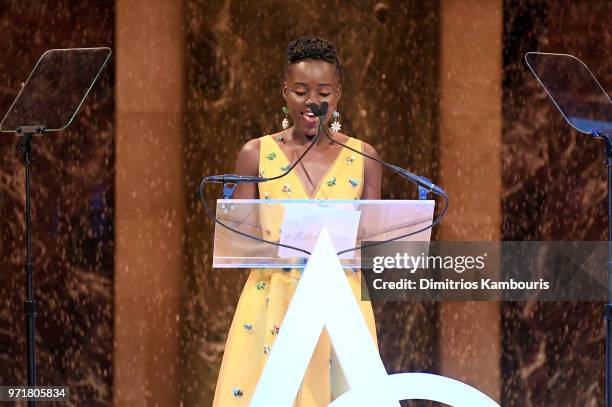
(314, 108)
(324, 107)
(319, 111)
(234, 179)
(416, 179)
(231, 181)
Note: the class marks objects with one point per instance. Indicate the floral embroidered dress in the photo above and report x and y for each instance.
(267, 292)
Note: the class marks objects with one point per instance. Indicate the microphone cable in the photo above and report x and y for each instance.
(236, 179)
(424, 182)
(320, 112)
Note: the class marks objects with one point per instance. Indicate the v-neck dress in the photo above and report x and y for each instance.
(268, 292)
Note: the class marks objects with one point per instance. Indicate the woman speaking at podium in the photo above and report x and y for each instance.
(328, 171)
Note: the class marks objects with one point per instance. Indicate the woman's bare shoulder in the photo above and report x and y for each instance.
(372, 171)
(250, 149)
(247, 162)
(340, 137)
(250, 146)
(367, 148)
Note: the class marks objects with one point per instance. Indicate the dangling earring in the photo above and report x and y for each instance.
(336, 126)
(285, 122)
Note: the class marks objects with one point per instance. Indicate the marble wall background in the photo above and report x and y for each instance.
(554, 189)
(72, 194)
(554, 180)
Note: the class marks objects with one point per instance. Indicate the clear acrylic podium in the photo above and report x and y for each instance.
(299, 222)
(317, 231)
(324, 232)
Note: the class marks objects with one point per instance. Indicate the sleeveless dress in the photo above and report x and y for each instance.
(267, 292)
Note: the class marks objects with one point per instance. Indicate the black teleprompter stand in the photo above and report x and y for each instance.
(25, 148)
(38, 110)
(587, 107)
(607, 137)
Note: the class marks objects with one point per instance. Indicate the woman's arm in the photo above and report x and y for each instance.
(372, 174)
(247, 163)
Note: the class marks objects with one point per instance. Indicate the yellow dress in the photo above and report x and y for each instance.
(267, 293)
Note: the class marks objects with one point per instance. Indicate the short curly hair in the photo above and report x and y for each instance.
(312, 47)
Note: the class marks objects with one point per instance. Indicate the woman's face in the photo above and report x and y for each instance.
(310, 81)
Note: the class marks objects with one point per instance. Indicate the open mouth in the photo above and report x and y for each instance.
(309, 118)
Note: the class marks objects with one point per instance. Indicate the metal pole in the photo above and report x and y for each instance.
(25, 148)
(608, 308)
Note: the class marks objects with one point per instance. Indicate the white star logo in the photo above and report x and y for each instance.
(323, 299)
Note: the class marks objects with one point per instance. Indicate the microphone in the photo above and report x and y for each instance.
(234, 179)
(314, 108)
(324, 107)
(417, 179)
(319, 111)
